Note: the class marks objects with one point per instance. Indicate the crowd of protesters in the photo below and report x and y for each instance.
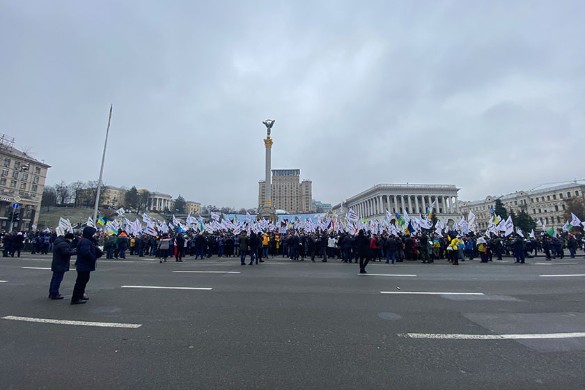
(299, 246)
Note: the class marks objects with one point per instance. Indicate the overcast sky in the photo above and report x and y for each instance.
(486, 95)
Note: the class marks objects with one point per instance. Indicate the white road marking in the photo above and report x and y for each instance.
(36, 267)
(549, 263)
(3, 281)
(560, 276)
(170, 288)
(428, 293)
(210, 272)
(79, 323)
(542, 336)
(399, 275)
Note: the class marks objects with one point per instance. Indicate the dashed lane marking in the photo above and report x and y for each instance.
(209, 272)
(428, 293)
(542, 336)
(78, 323)
(395, 275)
(43, 268)
(560, 276)
(170, 288)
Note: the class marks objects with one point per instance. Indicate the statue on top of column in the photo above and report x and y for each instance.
(268, 123)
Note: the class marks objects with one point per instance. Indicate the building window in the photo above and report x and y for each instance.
(559, 219)
(6, 162)
(533, 211)
(38, 170)
(554, 197)
(24, 177)
(36, 179)
(3, 181)
(23, 186)
(4, 172)
(548, 197)
(561, 196)
(576, 193)
(568, 194)
(556, 207)
(13, 184)
(34, 188)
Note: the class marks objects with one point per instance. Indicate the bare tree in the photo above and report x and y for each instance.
(143, 200)
(74, 188)
(63, 193)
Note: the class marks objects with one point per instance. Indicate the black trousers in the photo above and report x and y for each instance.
(80, 283)
(364, 260)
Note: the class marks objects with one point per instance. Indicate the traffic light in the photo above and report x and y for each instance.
(16, 216)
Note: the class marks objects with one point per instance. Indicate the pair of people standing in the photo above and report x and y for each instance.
(87, 253)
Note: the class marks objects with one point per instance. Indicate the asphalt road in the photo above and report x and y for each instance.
(295, 325)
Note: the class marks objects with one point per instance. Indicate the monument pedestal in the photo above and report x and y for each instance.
(267, 212)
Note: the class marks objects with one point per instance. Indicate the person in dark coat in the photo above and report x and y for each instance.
(253, 243)
(179, 246)
(87, 255)
(123, 244)
(18, 244)
(243, 244)
(362, 244)
(62, 252)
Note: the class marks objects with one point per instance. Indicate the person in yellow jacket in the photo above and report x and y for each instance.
(276, 244)
(265, 245)
(453, 251)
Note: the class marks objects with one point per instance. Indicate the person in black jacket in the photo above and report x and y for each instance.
(87, 255)
(62, 252)
(362, 244)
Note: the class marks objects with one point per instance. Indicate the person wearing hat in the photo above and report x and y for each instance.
(87, 255)
(62, 253)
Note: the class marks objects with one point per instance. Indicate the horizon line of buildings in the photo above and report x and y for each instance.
(23, 178)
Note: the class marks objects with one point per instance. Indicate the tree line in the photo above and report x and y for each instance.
(82, 194)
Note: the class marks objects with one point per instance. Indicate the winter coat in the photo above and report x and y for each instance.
(87, 251)
(62, 252)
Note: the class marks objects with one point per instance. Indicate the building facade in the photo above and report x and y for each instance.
(192, 208)
(547, 204)
(160, 202)
(288, 191)
(110, 197)
(22, 181)
(415, 199)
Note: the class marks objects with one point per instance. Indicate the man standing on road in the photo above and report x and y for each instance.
(362, 244)
(243, 244)
(87, 255)
(62, 253)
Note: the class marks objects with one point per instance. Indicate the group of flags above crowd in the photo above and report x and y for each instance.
(393, 223)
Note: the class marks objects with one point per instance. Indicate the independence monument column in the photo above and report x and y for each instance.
(267, 210)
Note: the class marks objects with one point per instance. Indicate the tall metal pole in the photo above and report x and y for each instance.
(99, 188)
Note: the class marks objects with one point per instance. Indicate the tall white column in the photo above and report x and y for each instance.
(396, 204)
(267, 173)
(416, 204)
(409, 205)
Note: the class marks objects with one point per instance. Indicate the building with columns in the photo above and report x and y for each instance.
(547, 204)
(397, 198)
(158, 201)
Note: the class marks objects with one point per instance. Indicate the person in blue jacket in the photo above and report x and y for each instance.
(87, 255)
